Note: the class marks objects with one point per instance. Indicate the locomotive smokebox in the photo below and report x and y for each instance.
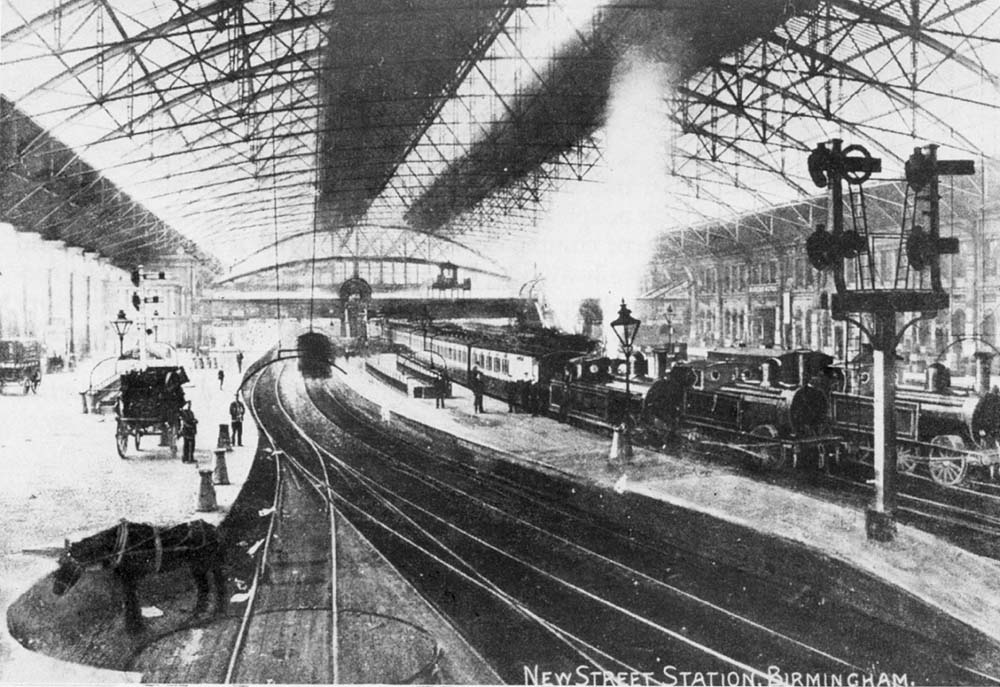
(983, 362)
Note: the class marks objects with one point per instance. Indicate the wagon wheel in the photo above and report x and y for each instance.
(121, 440)
(770, 457)
(907, 461)
(946, 467)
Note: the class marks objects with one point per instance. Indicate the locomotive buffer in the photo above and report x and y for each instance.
(872, 301)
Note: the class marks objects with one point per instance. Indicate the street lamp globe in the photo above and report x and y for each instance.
(121, 324)
(625, 328)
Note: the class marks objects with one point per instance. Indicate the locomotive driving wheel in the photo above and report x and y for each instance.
(769, 456)
(906, 461)
(947, 465)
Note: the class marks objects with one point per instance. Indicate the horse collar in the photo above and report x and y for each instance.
(121, 546)
(121, 543)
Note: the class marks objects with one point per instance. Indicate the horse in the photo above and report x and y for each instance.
(134, 550)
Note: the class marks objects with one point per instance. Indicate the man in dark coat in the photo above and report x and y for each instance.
(441, 382)
(236, 412)
(189, 429)
(478, 384)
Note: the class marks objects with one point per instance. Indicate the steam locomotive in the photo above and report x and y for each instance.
(944, 428)
(775, 407)
(757, 406)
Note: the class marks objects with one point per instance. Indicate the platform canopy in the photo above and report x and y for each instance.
(237, 124)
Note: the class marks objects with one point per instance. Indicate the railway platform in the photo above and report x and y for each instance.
(960, 584)
(65, 480)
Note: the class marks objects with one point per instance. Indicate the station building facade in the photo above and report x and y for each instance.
(748, 282)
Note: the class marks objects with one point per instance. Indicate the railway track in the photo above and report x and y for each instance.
(967, 515)
(304, 622)
(539, 587)
(293, 585)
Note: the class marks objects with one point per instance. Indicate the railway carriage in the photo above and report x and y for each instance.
(502, 356)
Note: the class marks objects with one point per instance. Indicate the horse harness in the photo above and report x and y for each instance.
(122, 548)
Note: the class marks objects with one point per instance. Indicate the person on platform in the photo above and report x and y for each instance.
(222, 377)
(536, 398)
(478, 384)
(189, 429)
(441, 384)
(236, 412)
(524, 392)
(510, 388)
(239, 361)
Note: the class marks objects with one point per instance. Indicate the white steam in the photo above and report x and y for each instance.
(598, 235)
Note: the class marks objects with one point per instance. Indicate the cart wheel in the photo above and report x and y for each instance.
(906, 462)
(121, 441)
(947, 467)
(768, 458)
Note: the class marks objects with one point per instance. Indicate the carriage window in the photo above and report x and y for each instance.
(506, 366)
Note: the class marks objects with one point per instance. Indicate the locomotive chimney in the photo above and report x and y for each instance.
(937, 378)
(983, 362)
(769, 372)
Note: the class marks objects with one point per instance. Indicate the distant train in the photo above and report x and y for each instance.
(502, 355)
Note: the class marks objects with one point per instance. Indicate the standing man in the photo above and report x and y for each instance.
(239, 361)
(442, 385)
(478, 383)
(236, 412)
(189, 428)
(222, 377)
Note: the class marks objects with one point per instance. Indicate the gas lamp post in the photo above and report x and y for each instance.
(121, 325)
(625, 328)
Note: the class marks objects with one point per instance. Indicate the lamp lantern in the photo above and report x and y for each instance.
(121, 325)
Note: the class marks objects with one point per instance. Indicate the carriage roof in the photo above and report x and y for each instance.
(154, 378)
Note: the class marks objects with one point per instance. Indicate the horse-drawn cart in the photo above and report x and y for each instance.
(150, 403)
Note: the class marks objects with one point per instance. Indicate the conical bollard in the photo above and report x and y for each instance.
(206, 493)
(614, 455)
(224, 442)
(221, 473)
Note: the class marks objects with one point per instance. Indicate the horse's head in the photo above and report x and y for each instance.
(68, 574)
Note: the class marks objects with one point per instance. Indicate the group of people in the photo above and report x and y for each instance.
(189, 427)
(526, 396)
